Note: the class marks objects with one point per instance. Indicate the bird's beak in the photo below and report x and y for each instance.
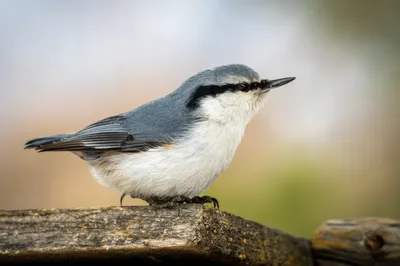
(275, 83)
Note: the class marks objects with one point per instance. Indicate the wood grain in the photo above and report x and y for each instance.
(185, 235)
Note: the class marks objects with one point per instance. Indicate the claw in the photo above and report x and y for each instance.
(215, 202)
(205, 199)
(121, 199)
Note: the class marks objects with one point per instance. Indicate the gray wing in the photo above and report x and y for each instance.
(151, 125)
(154, 124)
(111, 133)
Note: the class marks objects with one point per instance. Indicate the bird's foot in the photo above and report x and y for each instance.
(167, 202)
(170, 202)
(177, 200)
(196, 200)
(204, 200)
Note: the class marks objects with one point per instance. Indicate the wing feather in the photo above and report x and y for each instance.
(108, 134)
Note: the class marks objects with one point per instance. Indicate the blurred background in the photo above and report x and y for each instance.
(325, 146)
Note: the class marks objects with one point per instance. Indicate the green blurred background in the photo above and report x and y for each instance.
(326, 146)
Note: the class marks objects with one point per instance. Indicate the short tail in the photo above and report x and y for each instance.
(40, 143)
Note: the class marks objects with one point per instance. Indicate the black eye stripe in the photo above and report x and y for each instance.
(214, 90)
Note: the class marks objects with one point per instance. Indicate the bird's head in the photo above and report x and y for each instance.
(228, 93)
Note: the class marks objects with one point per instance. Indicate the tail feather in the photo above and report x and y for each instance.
(38, 143)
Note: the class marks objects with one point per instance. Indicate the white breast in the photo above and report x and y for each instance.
(187, 168)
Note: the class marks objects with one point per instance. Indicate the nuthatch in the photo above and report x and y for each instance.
(171, 149)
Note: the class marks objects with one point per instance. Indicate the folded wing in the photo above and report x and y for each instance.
(110, 133)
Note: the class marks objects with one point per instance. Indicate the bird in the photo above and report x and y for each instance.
(170, 150)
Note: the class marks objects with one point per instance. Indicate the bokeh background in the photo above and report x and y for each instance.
(325, 146)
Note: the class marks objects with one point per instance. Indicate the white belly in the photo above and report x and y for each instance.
(187, 168)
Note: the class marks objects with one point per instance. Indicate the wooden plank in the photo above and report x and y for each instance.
(146, 235)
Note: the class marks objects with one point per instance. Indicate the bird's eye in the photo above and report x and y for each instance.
(213, 91)
(254, 85)
(244, 87)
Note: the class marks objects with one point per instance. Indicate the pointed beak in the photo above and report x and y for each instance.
(275, 83)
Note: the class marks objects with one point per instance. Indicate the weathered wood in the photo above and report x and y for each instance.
(145, 235)
(188, 235)
(363, 242)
